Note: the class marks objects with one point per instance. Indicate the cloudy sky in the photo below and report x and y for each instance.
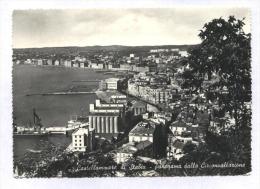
(49, 28)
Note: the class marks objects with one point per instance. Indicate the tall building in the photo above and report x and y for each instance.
(106, 117)
(83, 139)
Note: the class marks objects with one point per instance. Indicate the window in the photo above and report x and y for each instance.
(75, 140)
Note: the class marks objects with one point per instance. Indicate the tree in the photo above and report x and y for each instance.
(225, 52)
(160, 141)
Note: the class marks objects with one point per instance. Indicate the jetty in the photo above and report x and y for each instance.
(61, 93)
(95, 80)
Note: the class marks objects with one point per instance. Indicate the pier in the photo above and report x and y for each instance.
(96, 80)
(61, 93)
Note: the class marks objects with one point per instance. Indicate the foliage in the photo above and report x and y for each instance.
(224, 53)
(220, 68)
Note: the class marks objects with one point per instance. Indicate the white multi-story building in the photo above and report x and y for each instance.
(178, 127)
(83, 139)
(111, 83)
(141, 132)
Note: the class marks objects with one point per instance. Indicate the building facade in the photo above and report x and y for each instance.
(141, 132)
(106, 117)
(83, 139)
(139, 108)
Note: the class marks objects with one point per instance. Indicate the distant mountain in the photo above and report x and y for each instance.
(91, 49)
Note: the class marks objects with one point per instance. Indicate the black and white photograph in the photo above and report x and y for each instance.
(134, 92)
(131, 92)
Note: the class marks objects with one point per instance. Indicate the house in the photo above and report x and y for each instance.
(142, 131)
(175, 150)
(129, 150)
(178, 127)
(95, 65)
(125, 152)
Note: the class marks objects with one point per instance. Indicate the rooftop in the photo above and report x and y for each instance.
(178, 144)
(132, 148)
(129, 149)
(179, 124)
(138, 104)
(104, 113)
(143, 128)
(82, 131)
(112, 80)
(143, 144)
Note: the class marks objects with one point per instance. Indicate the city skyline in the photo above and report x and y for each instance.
(105, 27)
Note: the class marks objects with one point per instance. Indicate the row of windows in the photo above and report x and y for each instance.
(77, 136)
(76, 140)
(80, 148)
(79, 144)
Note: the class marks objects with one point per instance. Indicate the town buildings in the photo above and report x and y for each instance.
(154, 79)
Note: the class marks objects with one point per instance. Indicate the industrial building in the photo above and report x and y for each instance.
(106, 117)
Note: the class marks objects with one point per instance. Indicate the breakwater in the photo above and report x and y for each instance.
(61, 93)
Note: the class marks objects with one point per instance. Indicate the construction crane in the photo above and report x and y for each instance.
(36, 119)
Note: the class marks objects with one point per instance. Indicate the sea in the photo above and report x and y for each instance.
(54, 110)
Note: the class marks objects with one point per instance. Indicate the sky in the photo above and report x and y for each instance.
(133, 27)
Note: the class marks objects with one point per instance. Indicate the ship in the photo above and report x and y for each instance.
(35, 129)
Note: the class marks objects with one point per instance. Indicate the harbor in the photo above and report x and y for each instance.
(55, 110)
